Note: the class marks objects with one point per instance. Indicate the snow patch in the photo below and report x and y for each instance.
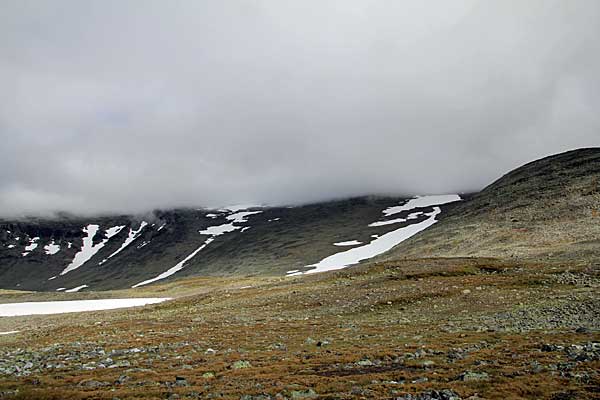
(240, 217)
(59, 307)
(383, 243)
(348, 243)
(420, 202)
(76, 289)
(237, 218)
(133, 234)
(397, 220)
(241, 207)
(212, 231)
(176, 268)
(9, 333)
(51, 248)
(218, 230)
(31, 246)
(88, 249)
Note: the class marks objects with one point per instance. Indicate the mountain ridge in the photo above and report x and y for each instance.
(546, 208)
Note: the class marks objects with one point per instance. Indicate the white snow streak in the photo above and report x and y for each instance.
(385, 242)
(212, 231)
(218, 230)
(133, 234)
(396, 220)
(422, 201)
(9, 332)
(59, 307)
(176, 268)
(76, 289)
(241, 207)
(241, 216)
(237, 218)
(348, 243)
(88, 249)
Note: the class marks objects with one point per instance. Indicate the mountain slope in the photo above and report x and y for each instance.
(119, 252)
(546, 208)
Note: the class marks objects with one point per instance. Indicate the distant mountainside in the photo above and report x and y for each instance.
(549, 208)
(74, 254)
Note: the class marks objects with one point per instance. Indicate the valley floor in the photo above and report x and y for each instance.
(412, 329)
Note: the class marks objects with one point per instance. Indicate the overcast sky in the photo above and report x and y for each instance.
(126, 106)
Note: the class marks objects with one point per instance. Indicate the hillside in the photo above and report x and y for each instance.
(546, 209)
(119, 252)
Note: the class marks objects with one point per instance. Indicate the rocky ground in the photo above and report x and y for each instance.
(411, 329)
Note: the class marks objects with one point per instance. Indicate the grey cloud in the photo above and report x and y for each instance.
(127, 106)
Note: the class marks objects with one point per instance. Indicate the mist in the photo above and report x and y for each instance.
(128, 106)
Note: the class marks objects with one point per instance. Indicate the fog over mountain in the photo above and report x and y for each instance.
(125, 106)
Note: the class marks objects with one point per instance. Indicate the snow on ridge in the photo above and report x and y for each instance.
(422, 201)
(218, 230)
(240, 217)
(110, 232)
(381, 244)
(414, 215)
(51, 248)
(9, 333)
(76, 289)
(31, 246)
(213, 232)
(241, 207)
(237, 218)
(378, 246)
(133, 234)
(88, 249)
(348, 243)
(69, 306)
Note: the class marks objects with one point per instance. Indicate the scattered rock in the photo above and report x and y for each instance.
(92, 383)
(445, 394)
(469, 376)
(181, 381)
(303, 394)
(365, 363)
(241, 364)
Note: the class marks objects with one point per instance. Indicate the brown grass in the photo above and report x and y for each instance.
(378, 312)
